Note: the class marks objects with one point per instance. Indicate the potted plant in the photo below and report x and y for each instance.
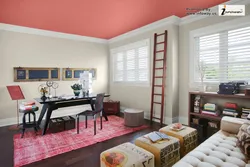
(44, 91)
(76, 88)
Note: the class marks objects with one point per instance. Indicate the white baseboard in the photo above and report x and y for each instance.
(57, 113)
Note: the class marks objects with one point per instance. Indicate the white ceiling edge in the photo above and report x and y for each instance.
(193, 18)
(35, 31)
(171, 20)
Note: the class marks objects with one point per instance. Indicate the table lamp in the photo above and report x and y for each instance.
(16, 94)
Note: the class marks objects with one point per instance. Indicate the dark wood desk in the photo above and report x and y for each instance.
(49, 105)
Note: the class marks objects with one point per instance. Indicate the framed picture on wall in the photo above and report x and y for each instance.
(28, 74)
(70, 74)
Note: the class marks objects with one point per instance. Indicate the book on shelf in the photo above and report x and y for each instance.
(213, 113)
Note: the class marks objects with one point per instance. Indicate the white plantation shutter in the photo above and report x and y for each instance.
(225, 56)
(131, 63)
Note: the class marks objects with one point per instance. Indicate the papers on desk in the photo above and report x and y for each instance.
(67, 97)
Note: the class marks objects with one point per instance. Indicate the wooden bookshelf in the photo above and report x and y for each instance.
(203, 124)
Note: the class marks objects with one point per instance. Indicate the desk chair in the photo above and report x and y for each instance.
(97, 109)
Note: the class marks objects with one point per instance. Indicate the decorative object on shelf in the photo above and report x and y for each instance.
(202, 71)
(197, 104)
(86, 80)
(70, 74)
(49, 85)
(55, 85)
(77, 88)
(43, 89)
(28, 74)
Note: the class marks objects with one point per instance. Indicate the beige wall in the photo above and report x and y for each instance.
(184, 50)
(134, 96)
(19, 49)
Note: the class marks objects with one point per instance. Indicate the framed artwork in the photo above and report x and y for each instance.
(28, 74)
(70, 74)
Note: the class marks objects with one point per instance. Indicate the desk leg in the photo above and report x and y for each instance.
(48, 115)
(43, 111)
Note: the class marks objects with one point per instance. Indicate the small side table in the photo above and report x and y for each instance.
(188, 137)
(166, 152)
(133, 117)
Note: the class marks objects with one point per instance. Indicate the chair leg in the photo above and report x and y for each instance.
(86, 121)
(101, 120)
(23, 132)
(94, 124)
(77, 124)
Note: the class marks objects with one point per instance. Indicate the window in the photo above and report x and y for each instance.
(223, 56)
(131, 63)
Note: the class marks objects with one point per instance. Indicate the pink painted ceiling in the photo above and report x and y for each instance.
(95, 18)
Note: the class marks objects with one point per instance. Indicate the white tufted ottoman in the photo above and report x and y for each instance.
(127, 155)
(133, 117)
(220, 150)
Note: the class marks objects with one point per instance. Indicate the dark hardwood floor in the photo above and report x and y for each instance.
(84, 157)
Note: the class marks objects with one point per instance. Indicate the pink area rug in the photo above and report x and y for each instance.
(34, 148)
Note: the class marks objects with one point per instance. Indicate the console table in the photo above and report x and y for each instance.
(49, 105)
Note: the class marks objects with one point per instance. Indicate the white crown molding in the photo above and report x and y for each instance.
(172, 20)
(35, 31)
(192, 18)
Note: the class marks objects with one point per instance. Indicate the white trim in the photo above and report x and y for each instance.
(60, 113)
(171, 20)
(35, 31)
(215, 28)
(192, 18)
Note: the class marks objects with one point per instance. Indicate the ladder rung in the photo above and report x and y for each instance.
(156, 118)
(158, 85)
(159, 77)
(159, 51)
(159, 94)
(159, 59)
(160, 43)
(161, 68)
(157, 102)
(160, 34)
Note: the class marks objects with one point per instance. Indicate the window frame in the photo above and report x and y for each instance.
(125, 48)
(209, 30)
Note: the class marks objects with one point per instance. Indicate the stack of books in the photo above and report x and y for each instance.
(209, 109)
(230, 110)
(245, 113)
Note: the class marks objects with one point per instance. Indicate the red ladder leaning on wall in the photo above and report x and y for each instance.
(162, 77)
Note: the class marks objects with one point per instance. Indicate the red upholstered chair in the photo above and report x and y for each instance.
(97, 109)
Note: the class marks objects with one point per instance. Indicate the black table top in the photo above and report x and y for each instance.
(66, 99)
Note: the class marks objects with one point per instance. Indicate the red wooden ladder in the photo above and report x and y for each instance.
(159, 58)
